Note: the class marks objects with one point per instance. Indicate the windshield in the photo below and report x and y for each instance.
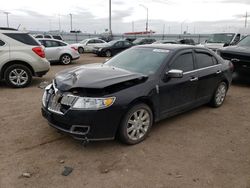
(244, 42)
(142, 60)
(112, 42)
(221, 38)
(137, 41)
(83, 41)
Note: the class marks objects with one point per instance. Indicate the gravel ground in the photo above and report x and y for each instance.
(205, 147)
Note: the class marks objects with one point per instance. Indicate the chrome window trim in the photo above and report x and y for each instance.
(196, 70)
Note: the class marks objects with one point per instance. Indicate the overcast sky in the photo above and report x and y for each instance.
(196, 16)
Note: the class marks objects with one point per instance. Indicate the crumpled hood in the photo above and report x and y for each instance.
(93, 76)
(237, 49)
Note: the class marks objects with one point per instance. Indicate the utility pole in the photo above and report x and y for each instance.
(133, 27)
(110, 29)
(59, 22)
(71, 25)
(246, 16)
(7, 18)
(163, 31)
(146, 8)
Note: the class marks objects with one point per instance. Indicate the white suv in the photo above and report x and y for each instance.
(21, 57)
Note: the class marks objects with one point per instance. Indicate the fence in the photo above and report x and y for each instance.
(77, 37)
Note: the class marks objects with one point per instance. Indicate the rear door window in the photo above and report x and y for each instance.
(183, 62)
(51, 43)
(2, 43)
(62, 43)
(23, 38)
(204, 60)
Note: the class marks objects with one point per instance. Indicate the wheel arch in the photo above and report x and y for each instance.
(16, 62)
(66, 54)
(139, 100)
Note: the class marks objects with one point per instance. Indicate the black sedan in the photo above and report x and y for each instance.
(238, 54)
(111, 48)
(126, 95)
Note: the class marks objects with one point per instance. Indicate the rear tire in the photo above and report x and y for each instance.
(136, 124)
(65, 59)
(219, 95)
(18, 76)
(81, 50)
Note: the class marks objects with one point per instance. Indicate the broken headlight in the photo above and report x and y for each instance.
(44, 99)
(88, 103)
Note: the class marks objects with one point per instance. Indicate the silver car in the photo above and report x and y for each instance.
(21, 58)
(59, 51)
(88, 45)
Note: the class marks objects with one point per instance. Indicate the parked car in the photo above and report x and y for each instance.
(239, 55)
(59, 51)
(48, 36)
(126, 95)
(141, 41)
(180, 41)
(87, 45)
(21, 58)
(112, 48)
(219, 40)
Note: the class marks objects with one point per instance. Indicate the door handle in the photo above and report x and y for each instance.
(218, 72)
(194, 79)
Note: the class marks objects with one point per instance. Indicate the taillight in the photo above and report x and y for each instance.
(74, 48)
(39, 51)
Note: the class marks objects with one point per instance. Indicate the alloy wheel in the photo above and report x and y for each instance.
(66, 59)
(220, 94)
(18, 77)
(138, 124)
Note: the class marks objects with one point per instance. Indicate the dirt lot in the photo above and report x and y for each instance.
(203, 148)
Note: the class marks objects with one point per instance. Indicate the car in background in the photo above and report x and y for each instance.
(126, 95)
(219, 40)
(21, 58)
(59, 51)
(112, 48)
(180, 41)
(87, 45)
(141, 41)
(47, 36)
(239, 54)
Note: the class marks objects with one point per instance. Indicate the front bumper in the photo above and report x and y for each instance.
(86, 124)
(40, 74)
(97, 52)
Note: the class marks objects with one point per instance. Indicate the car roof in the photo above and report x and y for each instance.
(173, 47)
(118, 40)
(49, 39)
(11, 31)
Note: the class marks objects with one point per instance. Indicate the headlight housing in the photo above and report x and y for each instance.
(89, 103)
(44, 98)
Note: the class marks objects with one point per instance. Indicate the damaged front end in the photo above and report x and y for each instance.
(85, 113)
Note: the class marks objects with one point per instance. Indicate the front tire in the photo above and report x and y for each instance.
(219, 95)
(108, 53)
(136, 124)
(65, 59)
(18, 76)
(80, 50)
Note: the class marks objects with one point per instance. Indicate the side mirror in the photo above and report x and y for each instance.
(174, 73)
(226, 44)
